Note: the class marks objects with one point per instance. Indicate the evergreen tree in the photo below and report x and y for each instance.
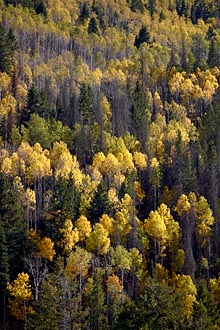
(12, 219)
(85, 104)
(100, 204)
(8, 46)
(143, 36)
(151, 7)
(84, 13)
(213, 55)
(140, 115)
(4, 276)
(93, 26)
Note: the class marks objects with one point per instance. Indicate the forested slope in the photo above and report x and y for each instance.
(109, 164)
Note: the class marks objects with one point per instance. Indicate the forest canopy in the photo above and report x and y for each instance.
(109, 164)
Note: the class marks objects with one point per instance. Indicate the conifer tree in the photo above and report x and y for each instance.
(8, 46)
(143, 36)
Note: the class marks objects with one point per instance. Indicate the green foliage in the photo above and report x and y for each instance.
(99, 123)
(8, 46)
(100, 203)
(142, 37)
(93, 26)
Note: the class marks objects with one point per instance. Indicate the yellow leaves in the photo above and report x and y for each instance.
(7, 105)
(161, 274)
(204, 219)
(108, 223)
(161, 227)
(182, 205)
(140, 160)
(5, 81)
(114, 285)
(122, 225)
(99, 239)
(215, 287)
(46, 248)
(64, 164)
(42, 247)
(201, 85)
(70, 236)
(10, 165)
(106, 112)
(78, 262)
(31, 162)
(20, 290)
(39, 164)
(186, 287)
(114, 74)
(84, 228)
(139, 191)
(155, 227)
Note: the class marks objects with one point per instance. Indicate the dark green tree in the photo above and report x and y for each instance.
(152, 7)
(93, 26)
(4, 276)
(12, 219)
(140, 115)
(213, 55)
(100, 204)
(96, 302)
(85, 104)
(143, 36)
(40, 8)
(137, 5)
(8, 46)
(84, 13)
(64, 205)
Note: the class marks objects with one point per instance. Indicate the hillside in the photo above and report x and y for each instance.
(109, 165)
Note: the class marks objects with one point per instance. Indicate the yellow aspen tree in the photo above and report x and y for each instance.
(187, 289)
(155, 178)
(106, 113)
(83, 227)
(46, 248)
(140, 160)
(161, 273)
(172, 227)
(121, 261)
(99, 240)
(140, 194)
(155, 227)
(20, 290)
(122, 226)
(41, 250)
(78, 262)
(204, 220)
(108, 223)
(70, 236)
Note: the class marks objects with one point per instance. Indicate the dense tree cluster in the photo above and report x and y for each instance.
(109, 165)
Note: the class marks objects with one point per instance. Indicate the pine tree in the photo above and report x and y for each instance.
(93, 26)
(140, 115)
(100, 204)
(213, 55)
(85, 13)
(4, 275)
(8, 46)
(143, 36)
(12, 219)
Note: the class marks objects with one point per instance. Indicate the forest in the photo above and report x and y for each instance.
(109, 165)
